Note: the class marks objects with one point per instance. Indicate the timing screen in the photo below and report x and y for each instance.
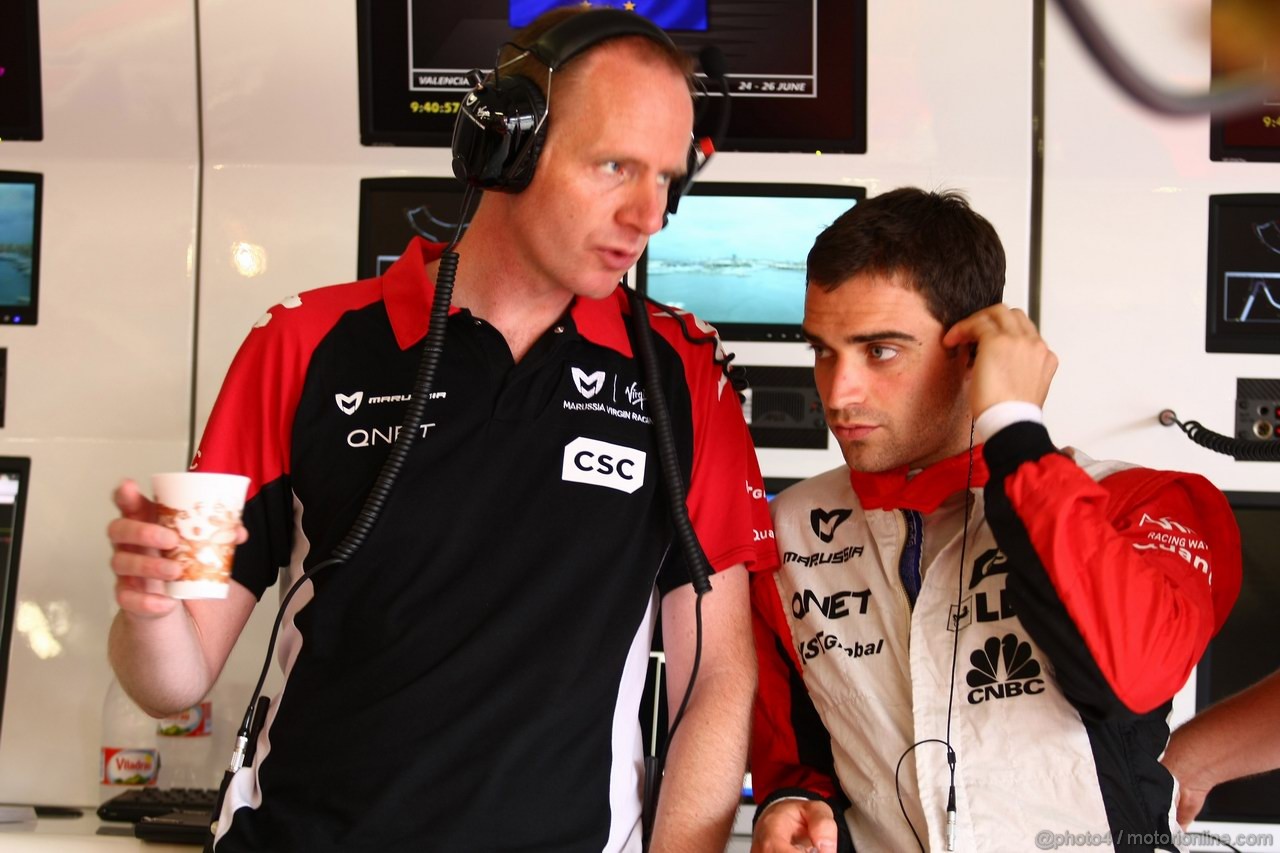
(796, 68)
(1255, 132)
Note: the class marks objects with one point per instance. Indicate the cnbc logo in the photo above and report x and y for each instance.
(1002, 669)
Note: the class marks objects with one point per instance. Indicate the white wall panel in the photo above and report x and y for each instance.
(283, 163)
(100, 388)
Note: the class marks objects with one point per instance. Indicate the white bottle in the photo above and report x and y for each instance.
(186, 748)
(129, 758)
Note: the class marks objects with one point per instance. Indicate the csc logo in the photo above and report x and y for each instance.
(599, 463)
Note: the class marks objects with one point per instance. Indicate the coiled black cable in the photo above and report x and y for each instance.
(1237, 448)
(672, 479)
(415, 412)
(695, 559)
(1244, 91)
(379, 492)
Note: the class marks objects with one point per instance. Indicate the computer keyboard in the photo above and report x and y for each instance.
(175, 828)
(137, 803)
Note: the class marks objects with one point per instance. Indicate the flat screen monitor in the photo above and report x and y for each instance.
(395, 210)
(21, 115)
(797, 69)
(1246, 650)
(20, 196)
(15, 475)
(1254, 134)
(734, 254)
(1243, 303)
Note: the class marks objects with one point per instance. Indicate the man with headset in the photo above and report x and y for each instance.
(470, 678)
(974, 637)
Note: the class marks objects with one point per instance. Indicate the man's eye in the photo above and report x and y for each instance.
(818, 350)
(879, 352)
(611, 167)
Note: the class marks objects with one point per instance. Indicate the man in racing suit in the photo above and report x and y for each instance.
(974, 637)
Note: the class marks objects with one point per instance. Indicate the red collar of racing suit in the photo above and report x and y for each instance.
(925, 490)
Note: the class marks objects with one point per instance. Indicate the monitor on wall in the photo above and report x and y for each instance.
(21, 114)
(395, 210)
(1246, 650)
(797, 69)
(20, 199)
(15, 475)
(1243, 302)
(734, 254)
(1254, 133)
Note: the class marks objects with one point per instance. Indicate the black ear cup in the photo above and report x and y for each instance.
(498, 134)
(501, 124)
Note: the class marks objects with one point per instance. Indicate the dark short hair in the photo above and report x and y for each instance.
(533, 68)
(933, 240)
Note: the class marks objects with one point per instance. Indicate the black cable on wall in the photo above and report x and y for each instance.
(196, 240)
(1036, 214)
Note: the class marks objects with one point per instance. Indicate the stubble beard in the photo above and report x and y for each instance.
(888, 451)
(866, 457)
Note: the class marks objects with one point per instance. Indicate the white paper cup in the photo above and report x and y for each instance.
(205, 510)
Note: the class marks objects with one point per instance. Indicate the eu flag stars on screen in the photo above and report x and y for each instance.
(668, 14)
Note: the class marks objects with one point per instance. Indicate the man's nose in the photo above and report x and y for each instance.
(645, 206)
(846, 384)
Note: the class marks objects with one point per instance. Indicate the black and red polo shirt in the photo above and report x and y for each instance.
(471, 678)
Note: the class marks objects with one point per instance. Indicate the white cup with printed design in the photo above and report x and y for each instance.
(205, 511)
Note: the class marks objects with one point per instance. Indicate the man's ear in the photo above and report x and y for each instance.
(973, 353)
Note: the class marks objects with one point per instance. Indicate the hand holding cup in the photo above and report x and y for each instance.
(204, 510)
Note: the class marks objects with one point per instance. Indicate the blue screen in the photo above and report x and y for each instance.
(17, 242)
(668, 14)
(739, 259)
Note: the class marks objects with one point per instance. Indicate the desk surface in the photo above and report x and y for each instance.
(87, 834)
(84, 834)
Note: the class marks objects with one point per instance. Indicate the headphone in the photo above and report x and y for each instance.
(502, 122)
